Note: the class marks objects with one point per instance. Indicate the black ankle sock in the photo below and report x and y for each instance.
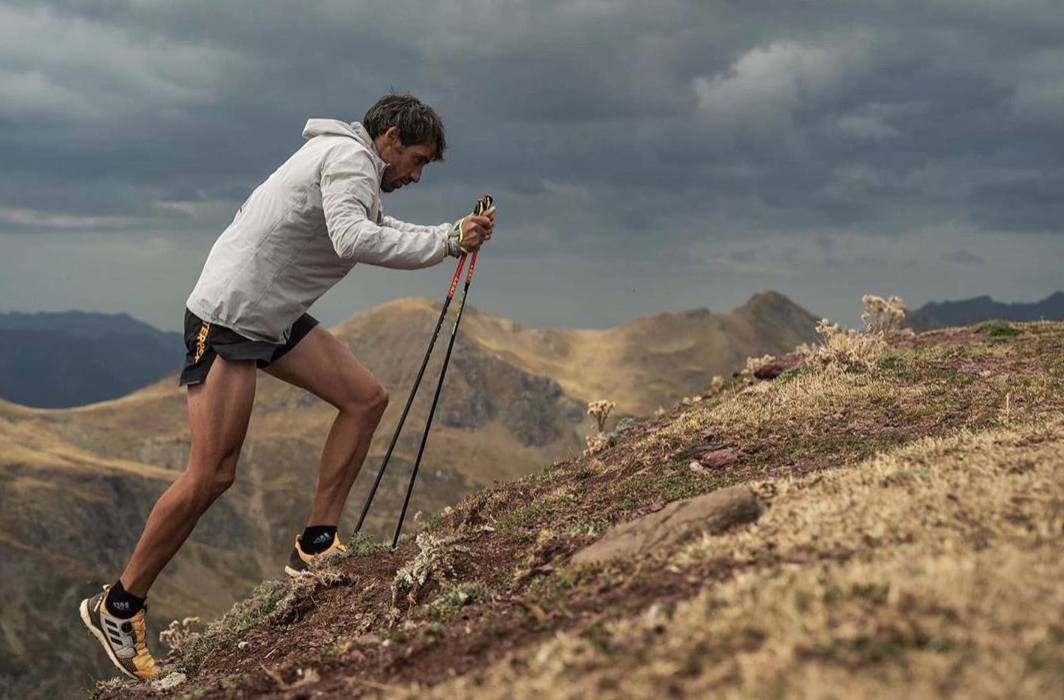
(317, 538)
(122, 603)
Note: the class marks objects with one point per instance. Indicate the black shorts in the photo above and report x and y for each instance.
(204, 341)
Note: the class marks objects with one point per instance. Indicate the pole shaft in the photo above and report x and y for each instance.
(410, 398)
(482, 206)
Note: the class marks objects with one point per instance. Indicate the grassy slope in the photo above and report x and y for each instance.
(911, 549)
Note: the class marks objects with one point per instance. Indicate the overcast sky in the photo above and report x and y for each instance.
(645, 156)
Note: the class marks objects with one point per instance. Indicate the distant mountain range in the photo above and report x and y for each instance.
(58, 360)
(62, 360)
(968, 311)
(82, 480)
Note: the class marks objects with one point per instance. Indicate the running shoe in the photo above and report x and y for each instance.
(300, 561)
(122, 639)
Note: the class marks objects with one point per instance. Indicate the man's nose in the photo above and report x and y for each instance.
(416, 175)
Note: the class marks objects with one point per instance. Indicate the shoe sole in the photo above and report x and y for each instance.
(291, 572)
(86, 617)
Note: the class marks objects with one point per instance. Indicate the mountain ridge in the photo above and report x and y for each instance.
(59, 360)
(963, 312)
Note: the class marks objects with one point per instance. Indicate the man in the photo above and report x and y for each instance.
(296, 236)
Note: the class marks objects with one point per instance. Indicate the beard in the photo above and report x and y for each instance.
(387, 181)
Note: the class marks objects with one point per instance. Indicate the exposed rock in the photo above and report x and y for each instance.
(778, 365)
(169, 681)
(713, 457)
(676, 522)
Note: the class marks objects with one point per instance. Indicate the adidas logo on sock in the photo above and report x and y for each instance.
(322, 538)
(121, 605)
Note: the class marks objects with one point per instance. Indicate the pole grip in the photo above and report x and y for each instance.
(483, 204)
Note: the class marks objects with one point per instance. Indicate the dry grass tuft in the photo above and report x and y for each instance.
(299, 596)
(755, 363)
(842, 348)
(116, 684)
(435, 562)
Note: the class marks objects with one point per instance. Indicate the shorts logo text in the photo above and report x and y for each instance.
(201, 342)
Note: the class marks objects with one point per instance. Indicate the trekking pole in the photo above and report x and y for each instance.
(413, 392)
(482, 206)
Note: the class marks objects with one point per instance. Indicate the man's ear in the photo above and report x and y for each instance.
(391, 135)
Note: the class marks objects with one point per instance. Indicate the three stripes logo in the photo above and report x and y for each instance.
(201, 341)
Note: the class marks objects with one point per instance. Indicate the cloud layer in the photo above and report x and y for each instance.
(718, 147)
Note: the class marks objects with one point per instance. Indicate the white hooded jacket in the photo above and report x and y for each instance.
(302, 230)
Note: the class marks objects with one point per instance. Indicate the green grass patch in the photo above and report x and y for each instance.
(584, 473)
(864, 650)
(548, 591)
(997, 329)
(360, 545)
(531, 514)
(451, 598)
(586, 527)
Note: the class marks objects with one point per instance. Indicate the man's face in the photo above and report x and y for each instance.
(404, 162)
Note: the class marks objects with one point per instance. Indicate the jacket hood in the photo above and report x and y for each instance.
(335, 127)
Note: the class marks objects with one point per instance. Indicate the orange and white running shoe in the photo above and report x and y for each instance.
(122, 639)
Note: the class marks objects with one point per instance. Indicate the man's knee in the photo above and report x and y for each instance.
(370, 400)
(381, 397)
(223, 479)
(209, 481)
(209, 488)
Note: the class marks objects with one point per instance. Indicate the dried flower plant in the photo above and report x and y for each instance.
(177, 633)
(600, 411)
(435, 562)
(849, 347)
(882, 315)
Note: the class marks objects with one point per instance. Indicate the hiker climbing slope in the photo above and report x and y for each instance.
(298, 234)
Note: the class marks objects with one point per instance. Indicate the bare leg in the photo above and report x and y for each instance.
(325, 367)
(218, 414)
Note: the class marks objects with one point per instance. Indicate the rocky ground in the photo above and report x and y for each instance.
(885, 522)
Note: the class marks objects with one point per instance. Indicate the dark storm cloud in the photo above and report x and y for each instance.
(1027, 204)
(962, 257)
(832, 113)
(618, 130)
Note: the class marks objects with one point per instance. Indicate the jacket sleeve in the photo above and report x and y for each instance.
(348, 185)
(440, 229)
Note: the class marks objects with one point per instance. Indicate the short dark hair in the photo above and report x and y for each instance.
(418, 123)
